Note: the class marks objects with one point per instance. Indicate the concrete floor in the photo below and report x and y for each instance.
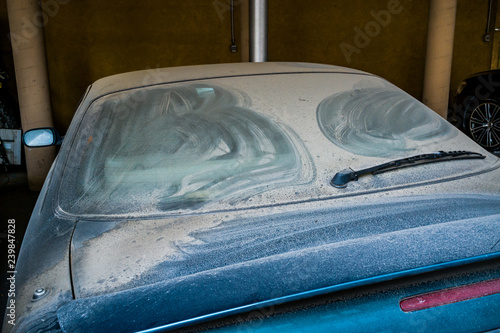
(16, 202)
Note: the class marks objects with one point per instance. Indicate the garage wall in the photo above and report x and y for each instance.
(384, 37)
(90, 39)
(87, 40)
(471, 54)
(362, 34)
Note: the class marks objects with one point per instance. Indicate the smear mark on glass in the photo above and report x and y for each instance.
(378, 122)
(179, 148)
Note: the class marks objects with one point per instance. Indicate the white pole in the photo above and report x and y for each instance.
(441, 31)
(28, 45)
(258, 30)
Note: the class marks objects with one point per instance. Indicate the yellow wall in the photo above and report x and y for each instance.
(470, 54)
(335, 32)
(90, 39)
(87, 40)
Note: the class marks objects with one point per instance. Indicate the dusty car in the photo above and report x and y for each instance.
(260, 197)
(476, 109)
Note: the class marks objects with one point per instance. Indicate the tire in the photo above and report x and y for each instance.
(482, 124)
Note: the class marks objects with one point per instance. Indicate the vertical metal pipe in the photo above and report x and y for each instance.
(28, 45)
(258, 30)
(442, 14)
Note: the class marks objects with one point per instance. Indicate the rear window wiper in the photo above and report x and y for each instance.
(343, 177)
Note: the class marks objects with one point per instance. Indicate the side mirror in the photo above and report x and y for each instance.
(41, 137)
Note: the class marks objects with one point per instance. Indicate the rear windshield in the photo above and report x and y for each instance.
(173, 148)
(242, 142)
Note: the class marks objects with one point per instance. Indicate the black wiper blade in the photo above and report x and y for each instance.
(343, 177)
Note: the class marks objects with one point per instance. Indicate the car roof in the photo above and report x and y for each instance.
(153, 76)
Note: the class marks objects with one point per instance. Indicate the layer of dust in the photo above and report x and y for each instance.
(122, 254)
(137, 253)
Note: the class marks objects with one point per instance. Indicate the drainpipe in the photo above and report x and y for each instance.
(258, 30)
(441, 30)
(28, 45)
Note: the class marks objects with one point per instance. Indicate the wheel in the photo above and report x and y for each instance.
(483, 124)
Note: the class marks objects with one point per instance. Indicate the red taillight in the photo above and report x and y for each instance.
(452, 295)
